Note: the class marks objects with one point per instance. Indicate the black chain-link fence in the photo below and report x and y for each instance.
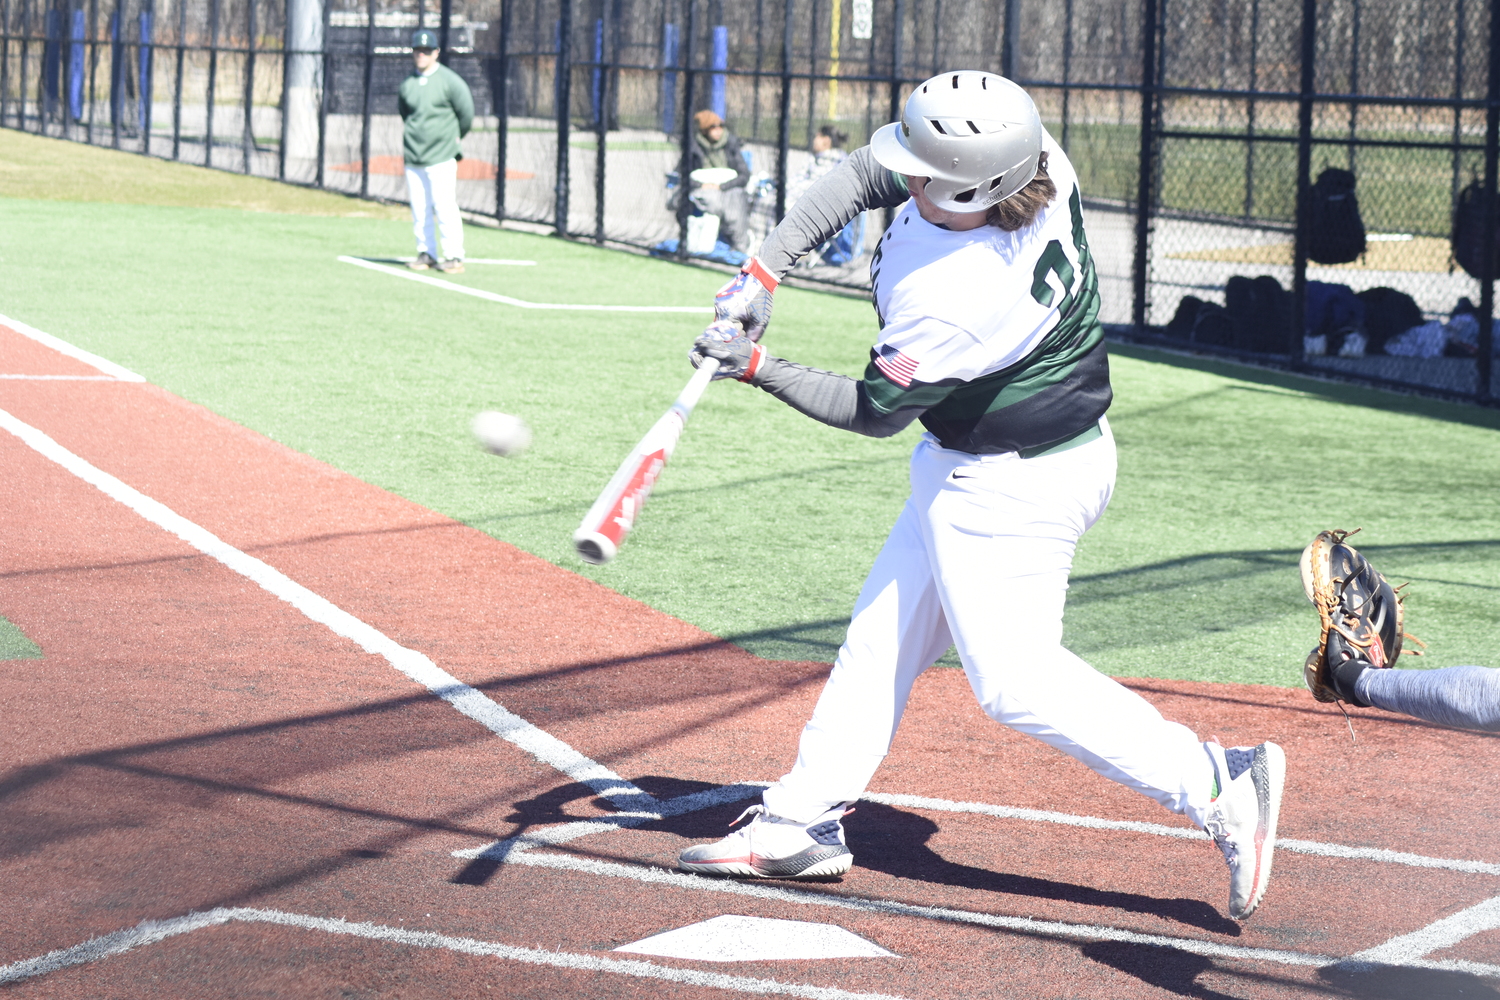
(1256, 131)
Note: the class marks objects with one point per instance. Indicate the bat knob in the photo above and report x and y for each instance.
(594, 548)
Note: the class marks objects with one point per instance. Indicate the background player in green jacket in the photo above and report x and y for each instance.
(437, 109)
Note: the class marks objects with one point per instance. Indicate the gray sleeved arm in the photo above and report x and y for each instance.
(855, 185)
(837, 400)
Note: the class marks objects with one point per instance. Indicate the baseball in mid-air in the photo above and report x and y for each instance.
(501, 433)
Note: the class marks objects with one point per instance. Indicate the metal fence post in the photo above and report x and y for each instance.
(1485, 361)
(148, 74)
(176, 87)
(563, 101)
(500, 92)
(1008, 44)
(286, 65)
(5, 61)
(325, 84)
(686, 162)
(898, 29)
(602, 64)
(116, 76)
(213, 81)
(25, 52)
(364, 126)
(247, 138)
(1144, 185)
(784, 133)
(445, 26)
(1304, 179)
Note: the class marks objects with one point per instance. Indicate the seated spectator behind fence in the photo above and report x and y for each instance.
(716, 146)
(828, 152)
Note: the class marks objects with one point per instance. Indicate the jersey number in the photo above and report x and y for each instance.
(1055, 261)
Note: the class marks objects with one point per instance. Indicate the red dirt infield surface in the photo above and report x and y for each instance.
(190, 741)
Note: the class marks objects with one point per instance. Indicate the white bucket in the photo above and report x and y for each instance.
(702, 233)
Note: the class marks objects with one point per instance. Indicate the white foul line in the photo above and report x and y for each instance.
(72, 351)
(1435, 936)
(151, 931)
(507, 300)
(503, 723)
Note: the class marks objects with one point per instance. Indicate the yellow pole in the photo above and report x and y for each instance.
(833, 69)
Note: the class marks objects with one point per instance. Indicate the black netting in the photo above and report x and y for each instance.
(1235, 133)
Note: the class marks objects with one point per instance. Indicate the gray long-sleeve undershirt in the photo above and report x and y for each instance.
(837, 400)
(1462, 697)
(856, 185)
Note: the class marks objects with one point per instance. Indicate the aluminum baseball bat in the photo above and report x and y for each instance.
(612, 516)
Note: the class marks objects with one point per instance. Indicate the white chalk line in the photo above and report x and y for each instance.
(1406, 950)
(508, 300)
(1024, 925)
(641, 807)
(1435, 936)
(1312, 847)
(488, 260)
(743, 790)
(539, 744)
(152, 931)
(63, 378)
(63, 347)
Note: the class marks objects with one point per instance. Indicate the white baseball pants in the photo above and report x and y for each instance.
(434, 209)
(979, 558)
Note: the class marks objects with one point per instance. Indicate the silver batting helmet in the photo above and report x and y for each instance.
(976, 136)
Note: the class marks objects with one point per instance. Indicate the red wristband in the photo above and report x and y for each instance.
(757, 270)
(757, 355)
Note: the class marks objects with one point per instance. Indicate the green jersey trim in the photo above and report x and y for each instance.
(1054, 392)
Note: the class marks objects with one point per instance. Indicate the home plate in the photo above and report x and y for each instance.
(756, 939)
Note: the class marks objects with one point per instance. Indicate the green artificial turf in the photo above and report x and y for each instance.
(765, 522)
(14, 645)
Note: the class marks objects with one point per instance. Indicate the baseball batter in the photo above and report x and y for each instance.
(988, 305)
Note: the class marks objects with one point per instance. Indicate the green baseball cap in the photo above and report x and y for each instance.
(424, 38)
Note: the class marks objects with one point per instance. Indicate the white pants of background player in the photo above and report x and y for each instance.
(980, 558)
(434, 209)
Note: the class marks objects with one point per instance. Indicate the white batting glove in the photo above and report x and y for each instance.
(746, 301)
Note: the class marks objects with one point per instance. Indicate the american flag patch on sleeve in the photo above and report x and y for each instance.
(895, 366)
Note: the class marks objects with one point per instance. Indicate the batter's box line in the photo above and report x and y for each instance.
(151, 931)
(563, 833)
(1382, 955)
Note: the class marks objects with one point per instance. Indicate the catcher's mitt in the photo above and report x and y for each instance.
(1361, 615)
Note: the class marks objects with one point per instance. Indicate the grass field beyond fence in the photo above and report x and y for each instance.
(763, 526)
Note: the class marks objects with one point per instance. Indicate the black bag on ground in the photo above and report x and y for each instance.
(1181, 325)
(1388, 313)
(1202, 323)
(1261, 313)
(1468, 230)
(1335, 232)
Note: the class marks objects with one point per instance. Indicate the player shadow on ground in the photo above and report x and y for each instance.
(546, 809)
(1178, 971)
(893, 841)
